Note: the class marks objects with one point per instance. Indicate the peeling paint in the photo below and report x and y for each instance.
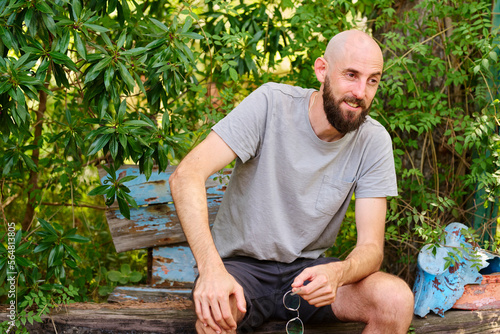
(173, 266)
(165, 270)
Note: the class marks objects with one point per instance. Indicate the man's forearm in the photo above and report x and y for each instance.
(188, 191)
(366, 258)
(361, 262)
(187, 185)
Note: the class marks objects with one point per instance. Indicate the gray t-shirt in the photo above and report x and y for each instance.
(289, 190)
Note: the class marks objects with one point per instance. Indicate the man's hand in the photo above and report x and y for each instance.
(218, 298)
(324, 280)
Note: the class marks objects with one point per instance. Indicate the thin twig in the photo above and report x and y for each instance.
(53, 324)
(79, 205)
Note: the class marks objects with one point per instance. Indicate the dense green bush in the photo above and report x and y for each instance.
(89, 83)
(439, 100)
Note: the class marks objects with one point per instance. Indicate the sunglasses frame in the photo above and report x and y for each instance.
(297, 318)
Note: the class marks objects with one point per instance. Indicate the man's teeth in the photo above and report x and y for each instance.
(354, 105)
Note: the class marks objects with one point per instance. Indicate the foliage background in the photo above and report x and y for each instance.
(89, 83)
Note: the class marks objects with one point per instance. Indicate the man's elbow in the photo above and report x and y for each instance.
(175, 180)
(185, 177)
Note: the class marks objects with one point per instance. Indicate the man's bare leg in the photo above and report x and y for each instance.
(383, 301)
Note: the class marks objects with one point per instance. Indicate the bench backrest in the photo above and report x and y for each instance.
(155, 222)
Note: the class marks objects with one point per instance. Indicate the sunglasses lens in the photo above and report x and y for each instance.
(291, 302)
(295, 326)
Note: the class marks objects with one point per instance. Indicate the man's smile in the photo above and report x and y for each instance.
(352, 104)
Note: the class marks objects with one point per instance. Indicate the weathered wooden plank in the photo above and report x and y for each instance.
(158, 319)
(153, 191)
(465, 322)
(146, 294)
(150, 226)
(156, 190)
(173, 267)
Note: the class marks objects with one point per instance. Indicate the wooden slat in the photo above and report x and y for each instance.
(156, 190)
(150, 226)
(173, 267)
(145, 294)
(153, 191)
(155, 222)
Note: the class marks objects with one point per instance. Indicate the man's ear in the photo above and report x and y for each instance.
(321, 69)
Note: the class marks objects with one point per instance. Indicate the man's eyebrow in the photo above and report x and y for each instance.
(378, 73)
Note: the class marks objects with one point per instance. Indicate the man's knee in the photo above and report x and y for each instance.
(392, 298)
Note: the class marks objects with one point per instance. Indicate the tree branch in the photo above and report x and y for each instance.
(33, 179)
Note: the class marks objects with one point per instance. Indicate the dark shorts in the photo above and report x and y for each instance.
(265, 283)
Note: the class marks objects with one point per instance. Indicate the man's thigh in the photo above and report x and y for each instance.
(265, 283)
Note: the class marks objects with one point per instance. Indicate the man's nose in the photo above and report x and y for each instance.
(359, 90)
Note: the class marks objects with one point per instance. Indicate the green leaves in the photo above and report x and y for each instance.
(55, 243)
(125, 275)
(15, 157)
(127, 78)
(127, 135)
(115, 188)
(14, 258)
(435, 100)
(16, 81)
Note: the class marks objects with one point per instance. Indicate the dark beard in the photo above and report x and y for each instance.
(343, 124)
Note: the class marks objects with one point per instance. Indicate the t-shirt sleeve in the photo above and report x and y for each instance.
(378, 174)
(244, 127)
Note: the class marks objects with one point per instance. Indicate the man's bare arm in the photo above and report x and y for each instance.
(366, 258)
(187, 185)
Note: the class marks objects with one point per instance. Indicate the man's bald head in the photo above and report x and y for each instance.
(342, 44)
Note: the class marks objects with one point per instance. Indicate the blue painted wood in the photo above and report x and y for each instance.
(156, 190)
(437, 289)
(153, 191)
(150, 226)
(173, 267)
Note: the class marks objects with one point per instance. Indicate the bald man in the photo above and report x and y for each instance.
(300, 156)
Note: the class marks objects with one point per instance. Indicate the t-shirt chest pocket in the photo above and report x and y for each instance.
(332, 194)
